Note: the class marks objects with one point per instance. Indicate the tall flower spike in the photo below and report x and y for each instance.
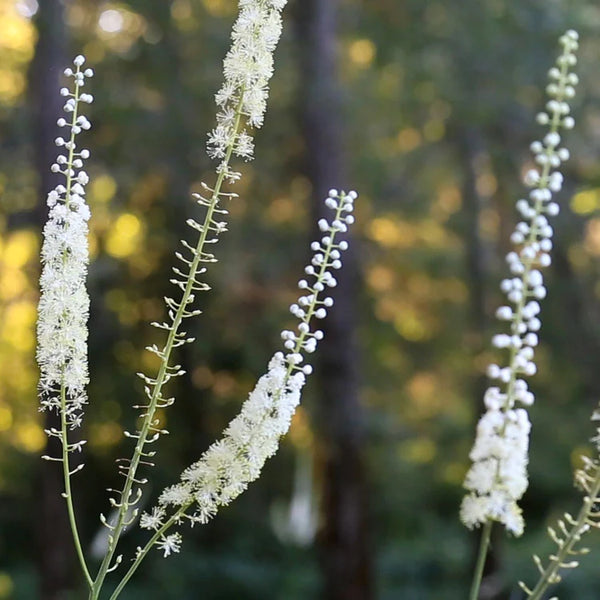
(229, 465)
(248, 67)
(498, 477)
(64, 303)
(242, 101)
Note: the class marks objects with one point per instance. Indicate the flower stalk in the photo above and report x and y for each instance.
(242, 100)
(497, 478)
(64, 303)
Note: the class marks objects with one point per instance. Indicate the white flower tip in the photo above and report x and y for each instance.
(78, 60)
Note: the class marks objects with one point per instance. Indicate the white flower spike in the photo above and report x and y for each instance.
(248, 67)
(64, 303)
(498, 477)
(229, 465)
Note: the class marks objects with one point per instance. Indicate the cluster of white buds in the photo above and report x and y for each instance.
(64, 303)
(327, 258)
(498, 477)
(229, 465)
(248, 67)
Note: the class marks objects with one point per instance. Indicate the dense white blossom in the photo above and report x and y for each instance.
(248, 67)
(498, 477)
(230, 464)
(64, 303)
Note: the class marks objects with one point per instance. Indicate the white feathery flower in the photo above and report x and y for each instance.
(64, 304)
(248, 67)
(170, 544)
(229, 465)
(498, 477)
(153, 520)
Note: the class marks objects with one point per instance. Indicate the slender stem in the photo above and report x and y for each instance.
(124, 503)
(68, 496)
(550, 573)
(482, 555)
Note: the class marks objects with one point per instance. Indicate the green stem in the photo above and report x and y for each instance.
(68, 496)
(160, 379)
(550, 573)
(482, 555)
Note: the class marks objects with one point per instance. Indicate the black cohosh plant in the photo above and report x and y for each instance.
(230, 464)
(497, 479)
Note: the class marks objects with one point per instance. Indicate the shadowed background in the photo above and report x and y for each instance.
(427, 109)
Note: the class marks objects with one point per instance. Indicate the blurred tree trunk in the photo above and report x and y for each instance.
(53, 539)
(343, 539)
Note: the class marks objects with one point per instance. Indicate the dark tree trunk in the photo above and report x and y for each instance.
(53, 539)
(343, 539)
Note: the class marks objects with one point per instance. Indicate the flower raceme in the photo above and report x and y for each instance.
(64, 303)
(229, 465)
(248, 67)
(498, 477)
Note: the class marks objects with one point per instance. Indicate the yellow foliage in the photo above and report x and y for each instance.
(102, 188)
(408, 139)
(18, 325)
(586, 202)
(6, 419)
(380, 278)
(124, 237)
(6, 586)
(104, 435)
(362, 52)
(20, 248)
(17, 42)
(391, 232)
(218, 8)
(29, 437)
(12, 284)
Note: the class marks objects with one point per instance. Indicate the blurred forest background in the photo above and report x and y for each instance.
(426, 108)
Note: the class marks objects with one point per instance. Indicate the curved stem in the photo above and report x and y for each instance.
(125, 496)
(482, 555)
